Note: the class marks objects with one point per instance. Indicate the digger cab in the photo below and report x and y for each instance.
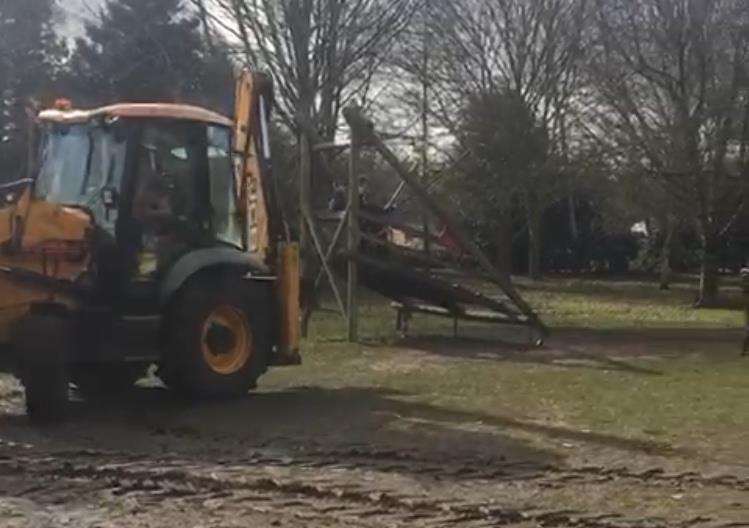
(158, 181)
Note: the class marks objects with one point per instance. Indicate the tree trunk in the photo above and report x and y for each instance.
(665, 256)
(574, 264)
(533, 214)
(709, 280)
(533, 217)
(504, 245)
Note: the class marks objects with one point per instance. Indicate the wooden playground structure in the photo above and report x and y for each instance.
(415, 279)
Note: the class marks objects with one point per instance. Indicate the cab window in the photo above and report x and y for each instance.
(78, 162)
(225, 221)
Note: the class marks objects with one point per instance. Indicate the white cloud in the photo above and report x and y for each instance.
(74, 14)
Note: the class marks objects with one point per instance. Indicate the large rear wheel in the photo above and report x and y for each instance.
(220, 337)
(47, 388)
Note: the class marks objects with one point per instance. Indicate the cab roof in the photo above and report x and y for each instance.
(137, 110)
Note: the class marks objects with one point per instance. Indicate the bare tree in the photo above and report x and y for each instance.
(322, 54)
(671, 97)
(528, 49)
(202, 10)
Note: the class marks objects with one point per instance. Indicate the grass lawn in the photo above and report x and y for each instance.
(628, 367)
(605, 304)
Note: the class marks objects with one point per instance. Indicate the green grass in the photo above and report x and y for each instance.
(629, 304)
(629, 367)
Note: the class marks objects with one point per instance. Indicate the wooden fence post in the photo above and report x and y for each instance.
(353, 238)
(305, 183)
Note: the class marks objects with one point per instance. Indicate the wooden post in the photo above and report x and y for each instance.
(424, 177)
(353, 238)
(745, 291)
(305, 183)
(425, 131)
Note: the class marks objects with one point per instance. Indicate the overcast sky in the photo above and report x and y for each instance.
(74, 13)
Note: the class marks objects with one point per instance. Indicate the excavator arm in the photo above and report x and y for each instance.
(264, 223)
(252, 143)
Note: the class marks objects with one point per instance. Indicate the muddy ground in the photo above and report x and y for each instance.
(315, 456)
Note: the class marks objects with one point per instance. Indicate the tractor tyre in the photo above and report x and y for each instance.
(46, 393)
(41, 343)
(106, 381)
(220, 337)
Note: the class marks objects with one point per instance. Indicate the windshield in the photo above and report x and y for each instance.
(78, 161)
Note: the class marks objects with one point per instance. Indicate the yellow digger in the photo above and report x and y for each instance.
(147, 234)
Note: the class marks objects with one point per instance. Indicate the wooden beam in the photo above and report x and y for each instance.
(394, 198)
(333, 244)
(414, 256)
(453, 292)
(319, 147)
(315, 139)
(305, 183)
(353, 238)
(383, 219)
(468, 315)
(437, 266)
(326, 267)
(425, 134)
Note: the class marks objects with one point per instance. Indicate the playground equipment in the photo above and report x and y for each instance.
(413, 277)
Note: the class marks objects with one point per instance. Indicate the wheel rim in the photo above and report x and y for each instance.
(226, 340)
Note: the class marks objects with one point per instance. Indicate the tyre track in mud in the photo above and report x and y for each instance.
(245, 482)
(465, 468)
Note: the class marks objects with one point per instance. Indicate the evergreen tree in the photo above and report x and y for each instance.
(507, 151)
(149, 50)
(30, 60)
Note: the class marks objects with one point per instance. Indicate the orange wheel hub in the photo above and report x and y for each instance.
(226, 340)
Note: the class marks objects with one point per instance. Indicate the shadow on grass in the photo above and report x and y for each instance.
(554, 354)
(150, 421)
(582, 348)
(326, 423)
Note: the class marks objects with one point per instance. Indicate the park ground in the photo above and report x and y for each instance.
(634, 414)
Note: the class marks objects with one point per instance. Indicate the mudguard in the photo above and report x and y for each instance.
(204, 259)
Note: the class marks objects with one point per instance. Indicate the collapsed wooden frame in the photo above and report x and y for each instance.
(450, 298)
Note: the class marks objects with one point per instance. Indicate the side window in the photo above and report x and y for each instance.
(224, 212)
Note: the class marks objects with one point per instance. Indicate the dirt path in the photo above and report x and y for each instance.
(327, 488)
(324, 458)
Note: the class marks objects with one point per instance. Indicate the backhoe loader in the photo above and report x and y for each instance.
(147, 234)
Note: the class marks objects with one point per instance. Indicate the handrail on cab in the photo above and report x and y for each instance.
(16, 183)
